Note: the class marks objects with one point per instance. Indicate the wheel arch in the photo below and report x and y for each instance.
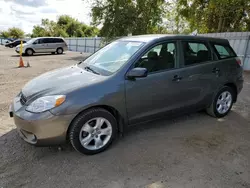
(119, 118)
(29, 48)
(233, 86)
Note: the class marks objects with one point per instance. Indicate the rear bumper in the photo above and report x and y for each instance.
(41, 129)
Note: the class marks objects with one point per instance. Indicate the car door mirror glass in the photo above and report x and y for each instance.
(137, 73)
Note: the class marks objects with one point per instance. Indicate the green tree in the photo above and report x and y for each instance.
(215, 15)
(15, 32)
(121, 17)
(4, 34)
(38, 31)
(65, 26)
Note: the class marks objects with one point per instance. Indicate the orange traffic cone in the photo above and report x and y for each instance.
(21, 62)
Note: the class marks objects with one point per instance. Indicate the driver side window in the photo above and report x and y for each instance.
(158, 58)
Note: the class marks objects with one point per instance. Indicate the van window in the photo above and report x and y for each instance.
(195, 52)
(40, 41)
(48, 40)
(57, 40)
(224, 51)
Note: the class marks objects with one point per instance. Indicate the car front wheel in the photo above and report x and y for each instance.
(29, 52)
(222, 102)
(93, 131)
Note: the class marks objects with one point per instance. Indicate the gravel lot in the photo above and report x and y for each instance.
(195, 150)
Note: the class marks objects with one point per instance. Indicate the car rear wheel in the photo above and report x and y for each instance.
(59, 51)
(93, 131)
(29, 52)
(11, 46)
(222, 102)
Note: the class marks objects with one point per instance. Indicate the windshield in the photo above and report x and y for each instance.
(31, 41)
(112, 57)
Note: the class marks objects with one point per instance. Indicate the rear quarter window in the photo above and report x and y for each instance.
(224, 51)
(58, 40)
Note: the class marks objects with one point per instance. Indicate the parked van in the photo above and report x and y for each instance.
(44, 45)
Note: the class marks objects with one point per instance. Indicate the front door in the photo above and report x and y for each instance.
(152, 96)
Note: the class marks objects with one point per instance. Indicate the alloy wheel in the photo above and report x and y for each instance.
(224, 102)
(96, 133)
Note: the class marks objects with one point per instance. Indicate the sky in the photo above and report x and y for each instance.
(25, 14)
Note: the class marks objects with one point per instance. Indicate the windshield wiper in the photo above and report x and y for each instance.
(87, 68)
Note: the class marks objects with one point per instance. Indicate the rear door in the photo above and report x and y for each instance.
(199, 73)
(48, 44)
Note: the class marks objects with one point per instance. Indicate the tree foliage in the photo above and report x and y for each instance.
(13, 32)
(122, 17)
(215, 15)
(65, 26)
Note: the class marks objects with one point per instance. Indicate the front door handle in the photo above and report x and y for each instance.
(176, 78)
(216, 70)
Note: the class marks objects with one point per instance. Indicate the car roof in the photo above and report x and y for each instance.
(152, 37)
(49, 37)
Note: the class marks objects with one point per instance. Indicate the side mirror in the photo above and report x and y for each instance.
(137, 72)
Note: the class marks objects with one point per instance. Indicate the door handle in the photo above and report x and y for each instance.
(176, 78)
(216, 70)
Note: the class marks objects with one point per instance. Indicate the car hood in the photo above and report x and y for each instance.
(18, 46)
(60, 81)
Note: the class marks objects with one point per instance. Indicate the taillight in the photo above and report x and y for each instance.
(238, 61)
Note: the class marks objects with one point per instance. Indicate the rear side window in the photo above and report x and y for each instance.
(58, 40)
(195, 52)
(224, 51)
(47, 40)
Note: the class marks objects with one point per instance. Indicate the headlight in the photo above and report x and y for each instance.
(46, 103)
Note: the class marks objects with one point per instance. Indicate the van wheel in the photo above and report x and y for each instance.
(93, 131)
(29, 52)
(222, 103)
(59, 51)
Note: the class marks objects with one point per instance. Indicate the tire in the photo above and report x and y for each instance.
(11, 46)
(222, 102)
(29, 52)
(96, 128)
(59, 51)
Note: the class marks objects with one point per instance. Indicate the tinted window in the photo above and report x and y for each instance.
(224, 51)
(195, 52)
(48, 40)
(40, 41)
(58, 40)
(160, 57)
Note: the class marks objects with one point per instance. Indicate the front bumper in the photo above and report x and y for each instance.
(41, 129)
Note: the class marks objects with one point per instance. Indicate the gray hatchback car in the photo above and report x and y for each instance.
(129, 81)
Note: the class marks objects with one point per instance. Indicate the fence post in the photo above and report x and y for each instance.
(94, 44)
(77, 44)
(85, 44)
(246, 49)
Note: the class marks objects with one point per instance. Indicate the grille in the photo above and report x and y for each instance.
(22, 99)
